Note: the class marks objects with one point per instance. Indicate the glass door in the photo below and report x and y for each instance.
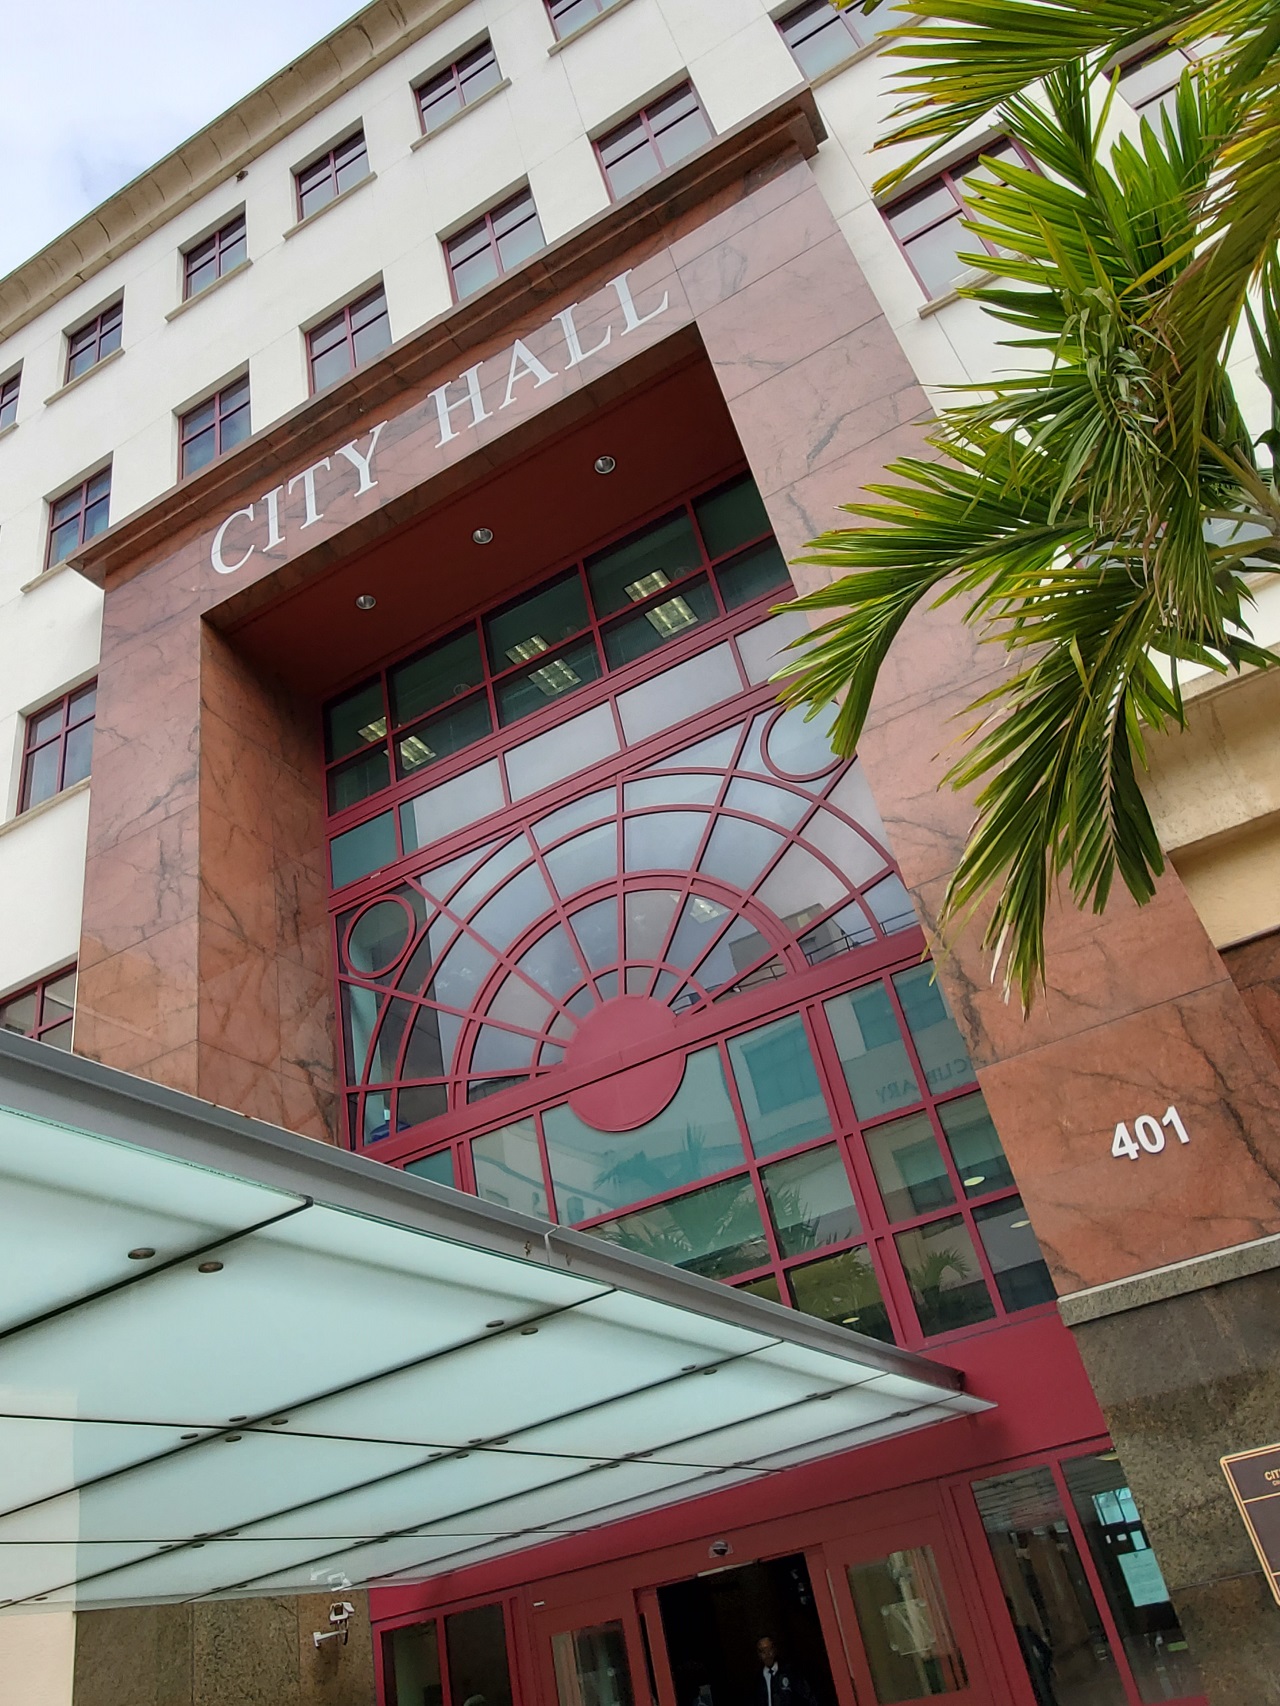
(594, 1654)
(906, 1632)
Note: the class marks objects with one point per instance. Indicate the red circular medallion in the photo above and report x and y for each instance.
(633, 1095)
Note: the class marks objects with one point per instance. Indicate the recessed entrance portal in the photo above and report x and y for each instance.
(715, 1624)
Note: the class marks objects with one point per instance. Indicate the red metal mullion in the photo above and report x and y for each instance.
(1094, 1578)
(548, 1182)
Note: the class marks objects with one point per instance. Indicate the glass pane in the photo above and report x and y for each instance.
(19, 1014)
(935, 254)
(765, 1287)
(730, 516)
(695, 1136)
(1021, 1275)
(445, 672)
(975, 1145)
(678, 140)
(678, 693)
(942, 1270)
(591, 1666)
(810, 1201)
(476, 1645)
(843, 1289)
(520, 695)
(757, 571)
(562, 750)
(908, 218)
(778, 1084)
(628, 168)
(41, 779)
(906, 1631)
(453, 805)
(509, 1169)
(909, 1167)
(664, 620)
(378, 937)
(358, 720)
(59, 998)
(447, 732)
(416, 1105)
(358, 778)
(643, 563)
(872, 1053)
(935, 1033)
(1149, 1629)
(1064, 1645)
(715, 1232)
(411, 1660)
(79, 752)
(438, 1167)
(372, 337)
(363, 849)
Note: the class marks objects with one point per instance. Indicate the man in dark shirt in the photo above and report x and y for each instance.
(779, 1684)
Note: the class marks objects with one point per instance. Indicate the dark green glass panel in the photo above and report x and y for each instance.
(665, 619)
(643, 563)
(533, 625)
(1021, 1275)
(363, 849)
(778, 1084)
(715, 1232)
(975, 1145)
(359, 719)
(757, 571)
(810, 1201)
(358, 778)
(766, 1286)
(448, 731)
(843, 1289)
(935, 1033)
(545, 683)
(437, 1167)
(872, 1052)
(910, 1171)
(419, 1103)
(946, 1281)
(731, 515)
(444, 672)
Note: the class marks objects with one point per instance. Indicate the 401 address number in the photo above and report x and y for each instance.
(1148, 1135)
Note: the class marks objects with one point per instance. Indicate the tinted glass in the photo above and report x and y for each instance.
(910, 1646)
(643, 563)
(975, 1145)
(756, 571)
(529, 690)
(357, 720)
(944, 1275)
(508, 1169)
(591, 1665)
(810, 1201)
(448, 731)
(935, 1033)
(909, 1167)
(715, 1232)
(732, 515)
(363, 849)
(438, 1167)
(411, 1659)
(445, 672)
(533, 625)
(475, 1643)
(79, 752)
(778, 1086)
(356, 780)
(1022, 1278)
(665, 619)
(872, 1053)
(843, 1289)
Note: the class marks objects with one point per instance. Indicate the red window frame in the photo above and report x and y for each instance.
(558, 9)
(652, 135)
(312, 180)
(77, 709)
(225, 250)
(78, 515)
(230, 411)
(384, 1637)
(344, 321)
(951, 179)
(457, 79)
(96, 338)
(9, 388)
(47, 1021)
(486, 224)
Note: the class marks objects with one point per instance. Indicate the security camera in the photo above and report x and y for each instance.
(719, 1549)
(340, 1614)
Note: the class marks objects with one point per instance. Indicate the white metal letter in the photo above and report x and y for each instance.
(634, 320)
(308, 478)
(221, 567)
(523, 361)
(362, 464)
(272, 501)
(444, 408)
(573, 343)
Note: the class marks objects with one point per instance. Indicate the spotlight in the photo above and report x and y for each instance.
(483, 536)
(604, 464)
(365, 601)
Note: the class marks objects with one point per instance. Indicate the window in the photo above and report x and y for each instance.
(213, 427)
(496, 242)
(1150, 82)
(210, 260)
(928, 223)
(77, 516)
(445, 94)
(58, 746)
(94, 341)
(570, 15)
(44, 1011)
(654, 140)
(821, 37)
(349, 338)
(325, 179)
(9, 399)
(473, 1665)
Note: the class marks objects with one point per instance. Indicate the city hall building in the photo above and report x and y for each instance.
(399, 487)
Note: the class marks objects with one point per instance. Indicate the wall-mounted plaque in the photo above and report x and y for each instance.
(1254, 1478)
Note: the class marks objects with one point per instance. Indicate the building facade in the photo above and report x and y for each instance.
(400, 486)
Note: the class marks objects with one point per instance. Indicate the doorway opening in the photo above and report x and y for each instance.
(713, 1626)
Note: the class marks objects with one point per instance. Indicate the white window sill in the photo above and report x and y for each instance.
(868, 50)
(337, 201)
(45, 575)
(200, 295)
(81, 787)
(6, 430)
(585, 29)
(448, 123)
(80, 378)
(968, 282)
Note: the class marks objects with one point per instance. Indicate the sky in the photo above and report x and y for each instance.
(91, 93)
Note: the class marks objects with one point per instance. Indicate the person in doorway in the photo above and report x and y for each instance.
(780, 1685)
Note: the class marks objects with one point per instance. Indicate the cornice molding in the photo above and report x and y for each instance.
(224, 147)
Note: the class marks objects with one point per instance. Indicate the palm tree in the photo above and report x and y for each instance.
(1099, 512)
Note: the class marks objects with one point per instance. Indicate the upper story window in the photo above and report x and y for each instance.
(1151, 81)
(78, 515)
(570, 15)
(326, 178)
(9, 389)
(58, 746)
(445, 94)
(352, 336)
(210, 260)
(928, 223)
(44, 1011)
(214, 426)
(96, 339)
(496, 242)
(821, 37)
(653, 141)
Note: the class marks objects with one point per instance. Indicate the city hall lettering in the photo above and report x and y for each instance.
(455, 408)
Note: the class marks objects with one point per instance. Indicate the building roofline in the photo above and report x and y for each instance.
(229, 143)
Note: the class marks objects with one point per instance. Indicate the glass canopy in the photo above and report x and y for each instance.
(234, 1361)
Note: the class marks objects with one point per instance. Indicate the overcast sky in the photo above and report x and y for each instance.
(94, 91)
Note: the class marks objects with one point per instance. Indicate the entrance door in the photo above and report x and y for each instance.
(593, 1654)
(907, 1635)
(722, 1627)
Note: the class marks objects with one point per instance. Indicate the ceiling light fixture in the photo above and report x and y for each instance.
(604, 464)
(143, 1253)
(366, 601)
(209, 1268)
(483, 536)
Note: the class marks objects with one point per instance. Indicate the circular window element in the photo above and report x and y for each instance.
(636, 1094)
(379, 936)
(798, 749)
